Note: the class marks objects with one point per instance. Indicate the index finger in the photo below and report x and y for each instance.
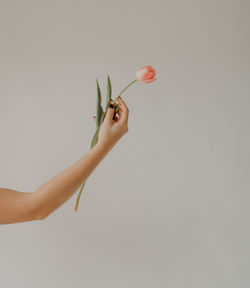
(124, 108)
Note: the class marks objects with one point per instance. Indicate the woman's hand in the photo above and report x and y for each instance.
(112, 130)
(18, 206)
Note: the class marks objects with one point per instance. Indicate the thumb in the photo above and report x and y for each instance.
(110, 114)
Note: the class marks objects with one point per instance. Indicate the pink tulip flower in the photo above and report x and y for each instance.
(146, 74)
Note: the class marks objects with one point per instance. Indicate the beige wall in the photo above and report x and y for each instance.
(169, 206)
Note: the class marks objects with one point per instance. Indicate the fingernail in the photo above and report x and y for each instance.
(111, 105)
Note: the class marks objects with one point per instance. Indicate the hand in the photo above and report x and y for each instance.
(112, 130)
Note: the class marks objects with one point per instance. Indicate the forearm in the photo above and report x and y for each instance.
(16, 206)
(57, 190)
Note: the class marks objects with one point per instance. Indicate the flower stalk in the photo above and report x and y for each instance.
(145, 75)
(131, 83)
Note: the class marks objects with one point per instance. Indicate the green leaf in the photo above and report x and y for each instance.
(79, 195)
(93, 143)
(99, 109)
(99, 119)
(109, 93)
(95, 138)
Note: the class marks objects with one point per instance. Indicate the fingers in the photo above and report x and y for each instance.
(109, 114)
(123, 111)
(116, 118)
(121, 115)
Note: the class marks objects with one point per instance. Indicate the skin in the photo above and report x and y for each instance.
(16, 206)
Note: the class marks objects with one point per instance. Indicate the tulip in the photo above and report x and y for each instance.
(145, 74)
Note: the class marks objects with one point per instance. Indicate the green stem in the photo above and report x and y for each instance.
(80, 192)
(125, 89)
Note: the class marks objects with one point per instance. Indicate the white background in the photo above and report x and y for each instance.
(169, 206)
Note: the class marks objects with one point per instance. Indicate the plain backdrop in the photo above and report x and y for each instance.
(169, 206)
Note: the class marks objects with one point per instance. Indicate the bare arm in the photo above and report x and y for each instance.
(18, 206)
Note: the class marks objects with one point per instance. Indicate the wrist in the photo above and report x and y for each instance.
(102, 148)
